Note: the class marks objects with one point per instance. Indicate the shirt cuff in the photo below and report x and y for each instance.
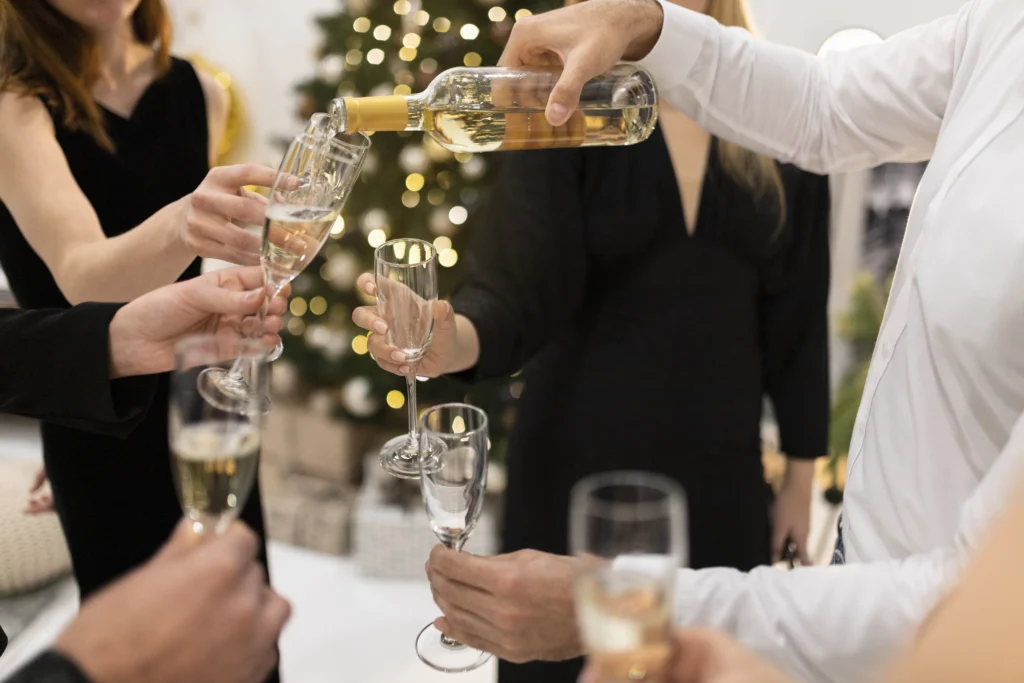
(50, 667)
(683, 34)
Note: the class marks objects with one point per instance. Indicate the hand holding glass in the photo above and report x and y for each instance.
(314, 180)
(453, 481)
(629, 529)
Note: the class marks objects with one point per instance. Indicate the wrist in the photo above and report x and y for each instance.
(646, 18)
(465, 345)
(799, 474)
(122, 361)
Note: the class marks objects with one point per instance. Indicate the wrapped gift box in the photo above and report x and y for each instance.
(394, 540)
(306, 511)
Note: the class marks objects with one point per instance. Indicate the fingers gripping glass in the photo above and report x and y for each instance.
(405, 272)
(454, 446)
(313, 182)
(214, 452)
(629, 529)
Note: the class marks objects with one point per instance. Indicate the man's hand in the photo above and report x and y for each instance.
(143, 333)
(200, 611)
(586, 40)
(791, 517)
(518, 607)
(704, 656)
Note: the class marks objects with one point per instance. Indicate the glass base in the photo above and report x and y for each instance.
(435, 652)
(226, 392)
(400, 457)
(276, 353)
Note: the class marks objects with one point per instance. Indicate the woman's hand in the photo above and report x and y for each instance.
(439, 354)
(791, 517)
(213, 214)
(40, 499)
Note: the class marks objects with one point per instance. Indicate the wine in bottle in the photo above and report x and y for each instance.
(498, 109)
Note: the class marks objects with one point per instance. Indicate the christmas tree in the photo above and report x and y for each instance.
(409, 187)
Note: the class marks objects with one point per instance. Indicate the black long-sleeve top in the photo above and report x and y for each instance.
(645, 347)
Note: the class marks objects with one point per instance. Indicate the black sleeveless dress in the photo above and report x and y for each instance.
(115, 497)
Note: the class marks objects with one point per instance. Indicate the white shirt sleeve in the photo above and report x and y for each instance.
(846, 111)
(843, 623)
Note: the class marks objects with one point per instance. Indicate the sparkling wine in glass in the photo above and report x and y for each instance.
(629, 529)
(313, 182)
(215, 451)
(454, 447)
(405, 272)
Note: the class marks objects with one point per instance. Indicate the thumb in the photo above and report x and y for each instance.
(210, 298)
(565, 96)
(444, 316)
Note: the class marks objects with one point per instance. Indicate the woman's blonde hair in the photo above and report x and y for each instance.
(755, 172)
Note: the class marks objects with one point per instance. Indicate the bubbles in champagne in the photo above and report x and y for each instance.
(293, 235)
(215, 468)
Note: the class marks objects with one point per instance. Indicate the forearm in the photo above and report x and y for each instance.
(840, 624)
(799, 473)
(848, 111)
(122, 268)
(466, 353)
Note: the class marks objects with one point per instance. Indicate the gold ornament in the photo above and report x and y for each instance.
(236, 114)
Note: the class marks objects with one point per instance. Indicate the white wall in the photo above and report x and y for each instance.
(267, 46)
(807, 23)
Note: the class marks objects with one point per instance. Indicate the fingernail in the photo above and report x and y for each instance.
(371, 288)
(254, 295)
(557, 114)
(404, 369)
(397, 356)
(381, 326)
(451, 310)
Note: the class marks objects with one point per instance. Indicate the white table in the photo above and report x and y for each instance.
(344, 627)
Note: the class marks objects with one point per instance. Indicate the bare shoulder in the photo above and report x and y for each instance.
(21, 114)
(217, 99)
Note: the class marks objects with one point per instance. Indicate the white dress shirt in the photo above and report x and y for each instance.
(932, 453)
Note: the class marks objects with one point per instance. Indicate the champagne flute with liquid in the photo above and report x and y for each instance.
(313, 182)
(405, 272)
(214, 451)
(454, 446)
(629, 529)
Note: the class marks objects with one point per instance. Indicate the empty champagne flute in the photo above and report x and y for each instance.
(313, 182)
(215, 451)
(453, 481)
(405, 272)
(629, 529)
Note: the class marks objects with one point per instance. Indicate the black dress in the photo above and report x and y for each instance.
(646, 348)
(115, 496)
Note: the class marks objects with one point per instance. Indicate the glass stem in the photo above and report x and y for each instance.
(410, 390)
(237, 372)
(451, 643)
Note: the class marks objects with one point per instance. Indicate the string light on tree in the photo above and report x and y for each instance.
(441, 25)
(458, 215)
(411, 40)
(472, 59)
(403, 7)
(497, 14)
(469, 32)
(522, 14)
(421, 18)
(382, 32)
(407, 54)
(376, 238)
(361, 25)
(375, 56)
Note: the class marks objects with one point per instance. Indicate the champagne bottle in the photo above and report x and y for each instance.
(497, 109)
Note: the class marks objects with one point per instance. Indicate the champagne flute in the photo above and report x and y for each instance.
(299, 219)
(215, 451)
(405, 271)
(629, 528)
(453, 480)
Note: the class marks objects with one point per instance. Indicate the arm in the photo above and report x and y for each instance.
(794, 348)
(843, 623)
(61, 225)
(527, 271)
(218, 106)
(849, 110)
(56, 366)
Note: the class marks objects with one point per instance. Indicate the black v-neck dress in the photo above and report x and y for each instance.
(644, 347)
(116, 498)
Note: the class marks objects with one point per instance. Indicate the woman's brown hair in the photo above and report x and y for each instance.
(45, 54)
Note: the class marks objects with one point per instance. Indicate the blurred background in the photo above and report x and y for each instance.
(349, 543)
